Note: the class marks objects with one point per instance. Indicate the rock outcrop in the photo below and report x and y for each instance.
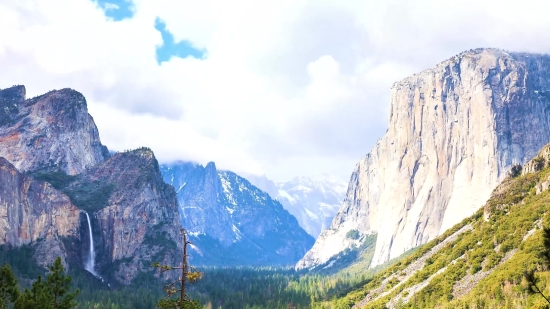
(50, 132)
(232, 222)
(454, 133)
(32, 212)
(133, 212)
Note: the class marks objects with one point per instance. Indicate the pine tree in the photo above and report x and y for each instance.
(53, 293)
(8, 287)
(187, 274)
(59, 286)
(36, 297)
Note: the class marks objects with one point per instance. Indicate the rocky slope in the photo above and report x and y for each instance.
(312, 200)
(50, 132)
(34, 213)
(454, 132)
(134, 214)
(232, 222)
(479, 262)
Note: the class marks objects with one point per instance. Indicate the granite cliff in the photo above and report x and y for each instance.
(50, 132)
(33, 212)
(454, 133)
(133, 213)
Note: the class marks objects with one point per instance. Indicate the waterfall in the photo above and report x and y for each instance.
(90, 263)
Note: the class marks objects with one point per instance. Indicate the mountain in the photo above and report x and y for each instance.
(312, 200)
(64, 195)
(454, 132)
(481, 261)
(133, 213)
(232, 222)
(50, 132)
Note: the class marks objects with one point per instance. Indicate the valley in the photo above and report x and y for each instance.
(448, 210)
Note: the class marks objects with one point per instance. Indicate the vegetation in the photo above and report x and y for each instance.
(8, 287)
(90, 196)
(353, 234)
(505, 246)
(188, 274)
(87, 195)
(504, 252)
(52, 293)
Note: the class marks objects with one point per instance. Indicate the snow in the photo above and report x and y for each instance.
(181, 187)
(288, 197)
(227, 188)
(237, 232)
(311, 214)
(330, 264)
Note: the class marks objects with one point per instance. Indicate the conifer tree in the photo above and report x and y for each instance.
(53, 293)
(187, 274)
(8, 287)
(59, 286)
(36, 297)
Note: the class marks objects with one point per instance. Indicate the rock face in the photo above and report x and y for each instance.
(232, 222)
(33, 212)
(133, 212)
(454, 132)
(50, 132)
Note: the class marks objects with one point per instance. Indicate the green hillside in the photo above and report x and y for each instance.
(480, 262)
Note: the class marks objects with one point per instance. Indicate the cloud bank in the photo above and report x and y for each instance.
(285, 88)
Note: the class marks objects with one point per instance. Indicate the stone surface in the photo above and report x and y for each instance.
(231, 221)
(50, 132)
(34, 213)
(454, 133)
(133, 213)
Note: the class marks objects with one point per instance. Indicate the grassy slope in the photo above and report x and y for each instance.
(514, 211)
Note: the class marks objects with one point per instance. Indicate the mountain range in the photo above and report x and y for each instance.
(231, 222)
(65, 194)
(453, 197)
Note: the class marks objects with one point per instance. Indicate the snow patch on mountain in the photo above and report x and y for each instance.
(312, 200)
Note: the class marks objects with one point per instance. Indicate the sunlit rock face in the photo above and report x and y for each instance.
(454, 132)
(48, 133)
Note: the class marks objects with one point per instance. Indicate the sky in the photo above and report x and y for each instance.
(283, 88)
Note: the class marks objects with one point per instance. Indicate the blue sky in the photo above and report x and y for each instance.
(117, 9)
(286, 88)
(170, 48)
(122, 9)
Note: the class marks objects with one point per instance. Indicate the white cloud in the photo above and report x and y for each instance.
(288, 87)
